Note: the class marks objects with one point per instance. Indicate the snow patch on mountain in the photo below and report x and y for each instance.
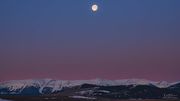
(82, 97)
(103, 91)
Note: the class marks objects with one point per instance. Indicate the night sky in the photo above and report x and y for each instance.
(65, 39)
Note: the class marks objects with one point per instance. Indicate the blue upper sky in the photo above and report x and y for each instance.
(124, 38)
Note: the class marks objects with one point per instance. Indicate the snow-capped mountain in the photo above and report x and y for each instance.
(57, 85)
(94, 87)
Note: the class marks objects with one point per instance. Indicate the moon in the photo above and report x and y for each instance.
(94, 8)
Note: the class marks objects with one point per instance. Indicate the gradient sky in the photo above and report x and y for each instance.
(64, 39)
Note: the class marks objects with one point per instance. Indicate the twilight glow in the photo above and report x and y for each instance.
(62, 39)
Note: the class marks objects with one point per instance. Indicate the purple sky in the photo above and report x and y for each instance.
(64, 39)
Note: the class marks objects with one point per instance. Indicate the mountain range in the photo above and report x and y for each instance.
(116, 89)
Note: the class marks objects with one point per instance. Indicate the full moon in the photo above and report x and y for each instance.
(94, 8)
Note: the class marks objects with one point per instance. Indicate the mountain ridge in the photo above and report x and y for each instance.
(126, 88)
(105, 82)
(59, 84)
